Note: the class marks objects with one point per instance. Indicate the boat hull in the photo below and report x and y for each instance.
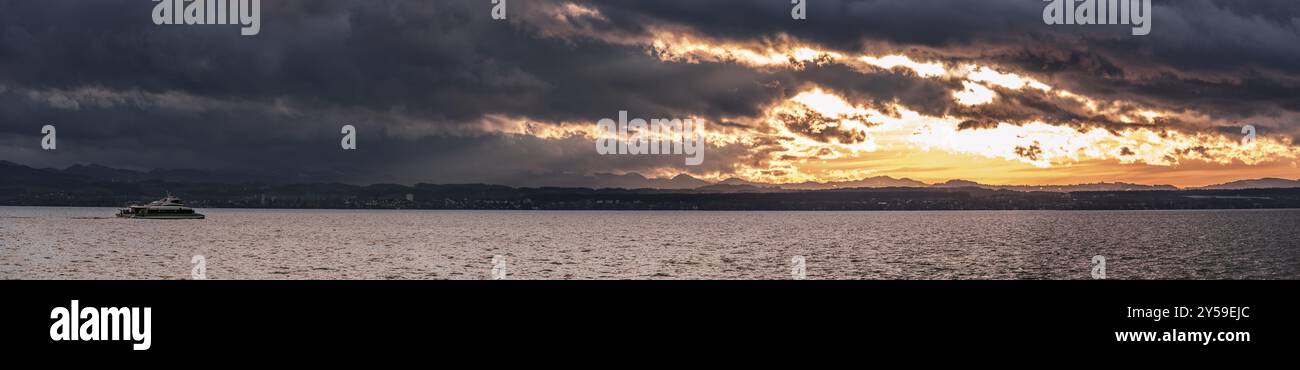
(167, 208)
(164, 217)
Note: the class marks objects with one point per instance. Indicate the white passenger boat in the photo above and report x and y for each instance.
(168, 208)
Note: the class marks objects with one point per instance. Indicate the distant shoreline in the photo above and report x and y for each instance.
(491, 197)
(97, 186)
(666, 210)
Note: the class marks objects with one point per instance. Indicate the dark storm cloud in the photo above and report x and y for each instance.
(103, 70)
(1234, 58)
(440, 60)
(1029, 105)
(417, 77)
(880, 90)
(821, 128)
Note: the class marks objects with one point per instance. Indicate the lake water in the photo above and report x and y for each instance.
(87, 243)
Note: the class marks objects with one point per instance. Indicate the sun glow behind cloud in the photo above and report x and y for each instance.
(817, 135)
(800, 157)
(893, 61)
(1037, 144)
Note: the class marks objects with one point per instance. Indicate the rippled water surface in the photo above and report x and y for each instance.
(85, 243)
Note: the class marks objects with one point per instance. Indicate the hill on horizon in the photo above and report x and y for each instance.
(632, 180)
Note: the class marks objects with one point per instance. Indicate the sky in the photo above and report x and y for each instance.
(440, 92)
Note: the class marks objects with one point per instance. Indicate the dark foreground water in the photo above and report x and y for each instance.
(85, 243)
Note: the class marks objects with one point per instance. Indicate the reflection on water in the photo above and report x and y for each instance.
(80, 243)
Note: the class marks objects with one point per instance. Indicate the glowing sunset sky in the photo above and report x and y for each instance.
(441, 93)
